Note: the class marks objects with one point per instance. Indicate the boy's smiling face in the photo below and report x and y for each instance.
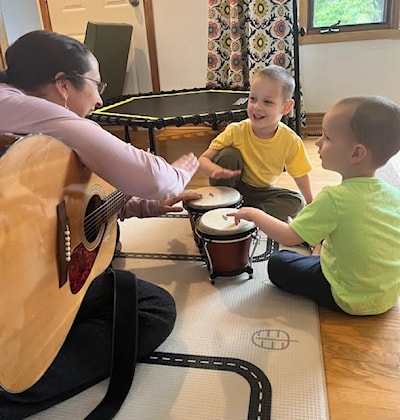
(266, 106)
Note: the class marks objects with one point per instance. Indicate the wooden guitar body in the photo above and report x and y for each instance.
(40, 289)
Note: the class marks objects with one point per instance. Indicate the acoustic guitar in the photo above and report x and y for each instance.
(57, 233)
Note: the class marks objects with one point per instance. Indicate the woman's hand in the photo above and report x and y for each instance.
(167, 205)
(188, 163)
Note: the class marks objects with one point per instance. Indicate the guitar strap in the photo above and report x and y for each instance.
(124, 346)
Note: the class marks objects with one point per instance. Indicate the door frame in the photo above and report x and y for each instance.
(150, 31)
(3, 41)
(151, 44)
(44, 12)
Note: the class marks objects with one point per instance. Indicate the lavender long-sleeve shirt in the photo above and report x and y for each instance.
(129, 169)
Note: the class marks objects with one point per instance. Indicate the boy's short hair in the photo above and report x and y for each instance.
(375, 124)
(282, 76)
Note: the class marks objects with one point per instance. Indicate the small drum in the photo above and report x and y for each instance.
(226, 245)
(212, 198)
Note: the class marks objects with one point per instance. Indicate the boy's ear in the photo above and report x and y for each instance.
(359, 153)
(287, 106)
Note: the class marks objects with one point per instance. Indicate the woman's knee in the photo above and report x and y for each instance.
(157, 315)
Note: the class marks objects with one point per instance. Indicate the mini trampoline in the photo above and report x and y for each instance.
(178, 108)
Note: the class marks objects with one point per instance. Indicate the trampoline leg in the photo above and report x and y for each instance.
(127, 136)
(152, 141)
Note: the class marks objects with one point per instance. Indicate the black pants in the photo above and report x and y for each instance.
(301, 275)
(85, 357)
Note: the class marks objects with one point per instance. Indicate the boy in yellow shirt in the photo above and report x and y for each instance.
(358, 269)
(251, 155)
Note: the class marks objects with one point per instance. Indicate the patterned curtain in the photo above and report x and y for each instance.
(245, 36)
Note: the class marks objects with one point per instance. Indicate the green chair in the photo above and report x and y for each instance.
(110, 43)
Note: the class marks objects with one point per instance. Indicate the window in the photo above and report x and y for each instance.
(348, 20)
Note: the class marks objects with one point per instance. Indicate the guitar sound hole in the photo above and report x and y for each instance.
(93, 218)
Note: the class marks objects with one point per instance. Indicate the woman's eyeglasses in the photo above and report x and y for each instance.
(101, 86)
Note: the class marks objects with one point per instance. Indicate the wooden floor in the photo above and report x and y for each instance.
(361, 354)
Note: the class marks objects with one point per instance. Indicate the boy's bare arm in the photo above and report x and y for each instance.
(210, 169)
(304, 185)
(274, 228)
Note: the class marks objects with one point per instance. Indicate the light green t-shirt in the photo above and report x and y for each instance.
(359, 221)
(265, 159)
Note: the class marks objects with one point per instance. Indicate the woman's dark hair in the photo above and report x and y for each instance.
(36, 57)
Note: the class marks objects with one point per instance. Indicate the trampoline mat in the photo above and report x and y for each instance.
(183, 104)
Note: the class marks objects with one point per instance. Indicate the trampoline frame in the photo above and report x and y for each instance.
(104, 115)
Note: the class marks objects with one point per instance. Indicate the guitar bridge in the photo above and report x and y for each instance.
(63, 244)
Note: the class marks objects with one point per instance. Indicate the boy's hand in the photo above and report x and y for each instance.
(276, 229)
(242, 213)
(222, 173)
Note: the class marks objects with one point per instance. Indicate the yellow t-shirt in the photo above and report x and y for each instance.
(265, 159)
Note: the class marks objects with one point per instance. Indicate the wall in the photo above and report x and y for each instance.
(329, 72)
(20, 16)
(181, 28)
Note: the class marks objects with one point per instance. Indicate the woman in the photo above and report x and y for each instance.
(51, 83)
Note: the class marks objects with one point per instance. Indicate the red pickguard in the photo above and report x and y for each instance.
(81, 264)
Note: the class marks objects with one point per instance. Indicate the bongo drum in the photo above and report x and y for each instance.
(226, 245)
(212, 198)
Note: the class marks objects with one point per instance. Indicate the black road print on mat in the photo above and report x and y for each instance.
(267, 245)
(260, 387)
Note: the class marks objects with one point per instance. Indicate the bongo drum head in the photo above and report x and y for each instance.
(215, 197)
(216, 223)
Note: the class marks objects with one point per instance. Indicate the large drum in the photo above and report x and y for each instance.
(226, 246)
(212, 198)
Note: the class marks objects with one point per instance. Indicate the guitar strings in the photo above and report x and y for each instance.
(94, 221)
(101, 214)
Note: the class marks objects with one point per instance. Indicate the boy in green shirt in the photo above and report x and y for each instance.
(357, 267)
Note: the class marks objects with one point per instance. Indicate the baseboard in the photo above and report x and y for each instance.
(313, 126)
